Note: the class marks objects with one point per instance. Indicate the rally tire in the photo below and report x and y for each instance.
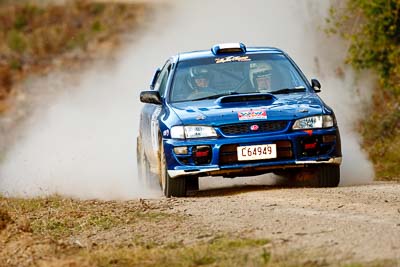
(171, 187)
(175, 187)
(192, 184)
(324, 175)
(143, 165)
(328, 175)
(140, 157)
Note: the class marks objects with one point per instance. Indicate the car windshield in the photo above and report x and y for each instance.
(209, 78)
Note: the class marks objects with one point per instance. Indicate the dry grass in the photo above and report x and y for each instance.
(5, 219)
(221, 251)
(56, 228)
(60, 232)
(33, 35)
(64, 232)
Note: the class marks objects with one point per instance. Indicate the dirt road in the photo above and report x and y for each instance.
(298, 226)
(361, 223)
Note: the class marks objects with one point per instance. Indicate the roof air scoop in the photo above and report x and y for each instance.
(228, 48)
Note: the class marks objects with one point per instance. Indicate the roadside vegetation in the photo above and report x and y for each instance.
(372, 28)
(57, 231)
(35, 36)
(61, 232)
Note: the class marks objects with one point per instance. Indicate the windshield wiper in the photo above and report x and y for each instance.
(215, 96)
(289, 90)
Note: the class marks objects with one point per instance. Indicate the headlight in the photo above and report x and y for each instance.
(182, 132)
(322, 121)
(178, 132)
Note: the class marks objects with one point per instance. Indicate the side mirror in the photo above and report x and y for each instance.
(316, 85)
(153, 81)
(150, 97)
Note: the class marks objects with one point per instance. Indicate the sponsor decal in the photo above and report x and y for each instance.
(257, 114)
(166, 133)
(232, 59)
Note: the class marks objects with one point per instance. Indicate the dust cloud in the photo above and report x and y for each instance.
(83, 144)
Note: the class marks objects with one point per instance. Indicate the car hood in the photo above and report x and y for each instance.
(277, 107)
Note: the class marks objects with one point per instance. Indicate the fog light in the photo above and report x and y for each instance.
(202, 155)
(202, 151)
(181, 150)
(310, 146)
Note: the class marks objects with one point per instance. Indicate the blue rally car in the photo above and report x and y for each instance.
(235, 111)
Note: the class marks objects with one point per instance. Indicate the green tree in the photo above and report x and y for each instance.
(372, 28)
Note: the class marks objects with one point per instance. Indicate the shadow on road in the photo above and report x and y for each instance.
(230, 191)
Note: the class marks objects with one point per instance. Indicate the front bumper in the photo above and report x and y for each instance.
(254, 169)
(292, 153)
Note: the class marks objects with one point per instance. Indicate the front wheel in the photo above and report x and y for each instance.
(143, 165)
(171, 187)
(324, 175)
(192, 183)
(328, 175)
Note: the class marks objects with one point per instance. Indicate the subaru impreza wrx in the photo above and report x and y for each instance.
(235, 111)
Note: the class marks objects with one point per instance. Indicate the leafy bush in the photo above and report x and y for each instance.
(372, 28)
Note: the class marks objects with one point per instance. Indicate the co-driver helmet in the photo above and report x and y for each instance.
(260, 76)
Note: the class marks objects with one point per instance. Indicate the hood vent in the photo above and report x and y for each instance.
(246, 98)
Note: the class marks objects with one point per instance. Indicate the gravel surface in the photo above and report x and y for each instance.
(360, 223)
(344, 226)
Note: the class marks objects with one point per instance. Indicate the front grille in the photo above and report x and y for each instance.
(228, 153)
(244, 128)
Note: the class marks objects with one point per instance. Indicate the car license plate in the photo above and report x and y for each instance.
(256, 152)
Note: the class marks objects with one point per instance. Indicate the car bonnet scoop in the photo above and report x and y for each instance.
(246, 98)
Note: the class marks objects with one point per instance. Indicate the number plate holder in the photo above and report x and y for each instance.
(256, 152)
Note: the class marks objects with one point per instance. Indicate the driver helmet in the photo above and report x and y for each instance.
(199, 77)
(260, 76)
